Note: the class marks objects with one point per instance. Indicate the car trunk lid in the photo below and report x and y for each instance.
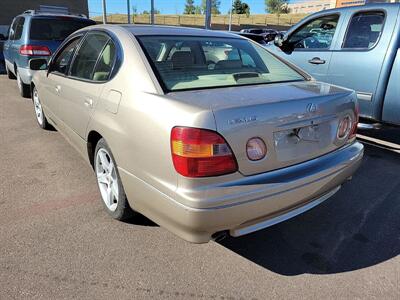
(298, 121)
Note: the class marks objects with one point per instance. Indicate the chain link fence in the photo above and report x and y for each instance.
(117, 12)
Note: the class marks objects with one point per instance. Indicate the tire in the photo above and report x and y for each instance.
(39, 113)
(24, 89)
(10, 74)
(109, 182)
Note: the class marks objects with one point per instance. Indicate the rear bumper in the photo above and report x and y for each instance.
(26, 75)
(268, 221)
(23, 69)
(249, 203)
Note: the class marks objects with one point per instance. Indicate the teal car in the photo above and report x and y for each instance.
(36, 34)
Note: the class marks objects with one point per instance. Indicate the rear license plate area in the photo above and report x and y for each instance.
(303, 142)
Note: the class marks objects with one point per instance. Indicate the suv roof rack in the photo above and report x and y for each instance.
(52, 10)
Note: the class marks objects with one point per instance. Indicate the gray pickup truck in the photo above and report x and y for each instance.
(356, 47)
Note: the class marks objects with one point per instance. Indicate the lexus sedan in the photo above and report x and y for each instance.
(206, 133)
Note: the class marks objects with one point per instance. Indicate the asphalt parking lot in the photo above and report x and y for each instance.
(56, 242)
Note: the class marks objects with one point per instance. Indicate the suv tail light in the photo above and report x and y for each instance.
(31, 50)
(201, 153)
(355, 122)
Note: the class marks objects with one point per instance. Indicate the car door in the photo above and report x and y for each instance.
(80, 91)
(359, 57)
(56, 76)
(391, 106)
(312, 44)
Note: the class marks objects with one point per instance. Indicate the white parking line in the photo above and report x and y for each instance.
(379, 143)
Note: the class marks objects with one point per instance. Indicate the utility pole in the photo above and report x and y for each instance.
(128, 6)
(152, 13)
(208, 15)
(104, 12)
(230, 16)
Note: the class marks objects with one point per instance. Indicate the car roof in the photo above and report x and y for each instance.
(387, 6)
(51, 15)
(173, 30)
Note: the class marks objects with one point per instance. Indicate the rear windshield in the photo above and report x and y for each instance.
(185, 63)
(56, 29)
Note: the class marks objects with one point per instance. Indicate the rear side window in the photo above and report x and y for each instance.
(88, 54)
(364, 30)
(12, 30)
(55, 29)
(105, 63)
(17, 29)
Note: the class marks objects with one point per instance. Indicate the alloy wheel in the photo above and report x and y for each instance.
(107, 179)
(38, 107)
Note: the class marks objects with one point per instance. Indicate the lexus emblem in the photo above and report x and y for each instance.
(311, 108)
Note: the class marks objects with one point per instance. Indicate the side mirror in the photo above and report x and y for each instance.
(270, 37)
(279, 40)
(38, 64)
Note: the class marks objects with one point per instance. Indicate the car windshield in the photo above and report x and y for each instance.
(46, 29)
(185, 63)
(256, 31)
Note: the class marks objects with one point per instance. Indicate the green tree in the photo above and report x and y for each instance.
(198, 10)
(240, 8)
(134, 10)
(214, 6)
(146, 12)
(277, 6)
(190, 9)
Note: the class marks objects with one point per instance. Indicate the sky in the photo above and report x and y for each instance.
(166, 6)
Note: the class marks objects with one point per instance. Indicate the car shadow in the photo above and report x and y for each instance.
(357, 228)
(2, 68)
(140, 220)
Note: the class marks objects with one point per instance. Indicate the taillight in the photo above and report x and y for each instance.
(201, 153)
(31, 50)
(355, 122)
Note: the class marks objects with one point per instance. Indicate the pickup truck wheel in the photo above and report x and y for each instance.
(110, 185)
(40, 116)
(24, 89)
(10, 74)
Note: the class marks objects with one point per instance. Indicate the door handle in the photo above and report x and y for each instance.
(89, 102)
(57, 88)
(317, 61)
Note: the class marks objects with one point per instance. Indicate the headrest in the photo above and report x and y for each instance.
(229, 64)
(107, 55)
(181, 59)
